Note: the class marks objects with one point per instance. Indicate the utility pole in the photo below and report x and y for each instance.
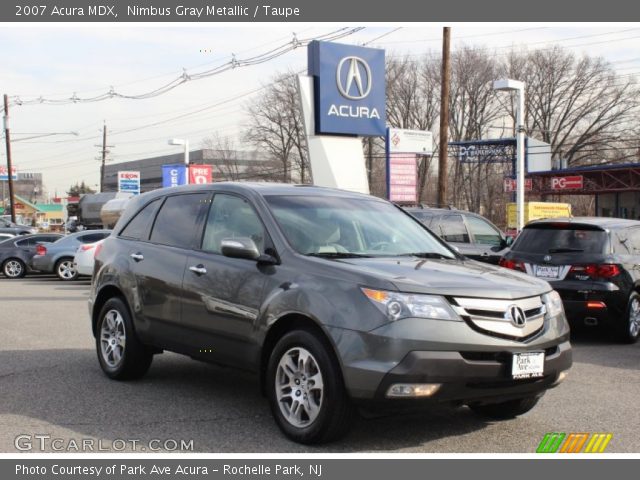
(7, 140)
(370, 161)
(104, 156)
(104, 150)
(444, 117)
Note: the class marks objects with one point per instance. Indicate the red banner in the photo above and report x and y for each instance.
(567, 183)
(200, 174)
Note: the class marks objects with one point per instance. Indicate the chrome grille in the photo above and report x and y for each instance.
(492, 316)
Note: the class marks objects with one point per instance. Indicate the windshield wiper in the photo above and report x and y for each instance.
(337, 255)
(565, 250)
(426, 255)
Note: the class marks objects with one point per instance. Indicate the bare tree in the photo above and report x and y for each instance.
(275, 127)
(227, 166)
(577, 104)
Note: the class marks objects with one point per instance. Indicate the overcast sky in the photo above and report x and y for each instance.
(56, 62)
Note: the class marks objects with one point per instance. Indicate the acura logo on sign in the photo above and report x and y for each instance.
(516, 316)
(353, 77)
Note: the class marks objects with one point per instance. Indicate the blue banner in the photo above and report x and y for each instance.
(349, 89)
(174, 175)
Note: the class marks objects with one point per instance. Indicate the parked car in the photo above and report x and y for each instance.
(6, 236)
(7, 226)
(592, 263)
(335, 299)
(473, 235)
(16, 253)
(58, 257)
(84, 259)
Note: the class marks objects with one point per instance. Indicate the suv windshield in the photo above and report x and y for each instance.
(340, 227)
(561, 240)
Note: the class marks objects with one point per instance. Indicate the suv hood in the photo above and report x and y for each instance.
(465, 278)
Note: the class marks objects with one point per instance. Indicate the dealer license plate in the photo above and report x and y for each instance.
(527, 365)
(545, 271)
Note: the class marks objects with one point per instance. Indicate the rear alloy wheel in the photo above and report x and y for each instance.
(629, 331)
(65, 270)
(14, 268)
(307, 395)
(505, 410)
(121, 355)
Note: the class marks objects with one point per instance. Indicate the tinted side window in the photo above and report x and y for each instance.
(92, 237)
(176, 223)
(231, 217)
(453, 229)
(483, 232)
(138, 226)
(27, 242)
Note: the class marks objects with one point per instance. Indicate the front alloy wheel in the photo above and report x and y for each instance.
(305, 387)
(299, 387)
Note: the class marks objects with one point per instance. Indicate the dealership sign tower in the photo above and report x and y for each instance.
(343, 97)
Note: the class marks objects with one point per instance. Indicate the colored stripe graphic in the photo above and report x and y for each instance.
(550, 443)
(574, 442)
(555, 442)
(598, 443)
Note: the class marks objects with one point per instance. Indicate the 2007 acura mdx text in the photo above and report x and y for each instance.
(336, 299)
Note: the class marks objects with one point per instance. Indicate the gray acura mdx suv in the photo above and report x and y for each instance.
(336, 299)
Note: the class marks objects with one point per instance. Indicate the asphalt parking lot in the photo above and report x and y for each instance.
(51, 384)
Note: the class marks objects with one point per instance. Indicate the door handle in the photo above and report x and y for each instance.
(198, 269)
(138, 257)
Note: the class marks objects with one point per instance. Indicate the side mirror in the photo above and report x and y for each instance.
(241, 247)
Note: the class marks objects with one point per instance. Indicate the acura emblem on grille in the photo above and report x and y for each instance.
(516, 316)
(547, 258)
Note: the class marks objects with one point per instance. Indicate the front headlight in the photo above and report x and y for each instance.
(553, 303)
(403, 305)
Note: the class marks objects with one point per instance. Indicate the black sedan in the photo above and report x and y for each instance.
(16, 253)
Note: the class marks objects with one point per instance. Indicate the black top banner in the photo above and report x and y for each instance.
(316, 11)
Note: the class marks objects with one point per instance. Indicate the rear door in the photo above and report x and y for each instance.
(487, 240)
(157, 262)
(453, 230)
(222, 295)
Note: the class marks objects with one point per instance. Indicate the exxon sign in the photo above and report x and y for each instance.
(349, 89)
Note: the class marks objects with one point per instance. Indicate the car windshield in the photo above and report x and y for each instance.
(561, 240)
(338, 227)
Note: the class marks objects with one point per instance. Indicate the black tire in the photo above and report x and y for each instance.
(629, 330)
(335, 412)
(135, 358)
(59, 269)
(14, 268)
(505, 410)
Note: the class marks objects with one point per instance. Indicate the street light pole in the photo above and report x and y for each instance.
(511, 85)
(185, 142)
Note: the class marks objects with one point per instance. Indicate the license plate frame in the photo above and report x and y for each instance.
(547, 271)
(527, 365)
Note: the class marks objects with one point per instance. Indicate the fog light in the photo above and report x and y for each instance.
(407, 390)
(561, 377)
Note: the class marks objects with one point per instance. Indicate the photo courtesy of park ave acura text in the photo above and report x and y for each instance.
(274, 235)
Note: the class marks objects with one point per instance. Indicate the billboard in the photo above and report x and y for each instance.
(174, 175)
(402, 177)
(571, 182)
(199, 174)
(410, 141)
(4, 173)
(129, 182)
(349, 89)
(511, 185)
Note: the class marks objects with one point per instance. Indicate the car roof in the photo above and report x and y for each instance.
(608, 223)
(265, 188)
